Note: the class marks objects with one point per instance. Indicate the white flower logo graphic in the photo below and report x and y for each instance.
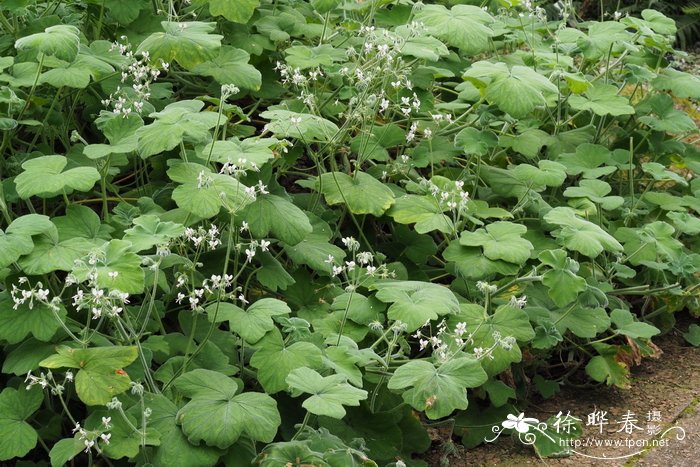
(519, 423)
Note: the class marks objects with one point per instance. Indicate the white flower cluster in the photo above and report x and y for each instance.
(255, 190)
(36, 294)
(90, 438)
(358, 260)
(140, 73)
(440, 342)
(486, 288)
(239, 169)
(264, 245)
(295, 77)
(99, 302)
(228, 90)
(202, 237)
(455, 199)
(47, 380)
(197, 296)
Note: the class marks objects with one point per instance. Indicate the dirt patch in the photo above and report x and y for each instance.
(664, 393)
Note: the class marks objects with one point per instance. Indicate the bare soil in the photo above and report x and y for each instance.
(669, 385)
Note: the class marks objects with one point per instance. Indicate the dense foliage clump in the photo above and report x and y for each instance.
(291, 232)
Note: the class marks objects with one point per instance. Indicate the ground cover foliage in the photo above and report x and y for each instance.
(298, 232)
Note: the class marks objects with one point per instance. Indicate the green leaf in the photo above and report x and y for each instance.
(424, 211)
(659, 22)
(603, 38)
(596, 191)
(274, 360)
(684, 222)
(101, 375)
(315, 249)
(17, 437)
(188, 43)
(518, 91)
(26, 356)
(53, 254)
(276, 215)
(305, 127)
(81, 221)
(626, 325)
(118, 268)
(528, 143)
(506, 321)
(272, 273)
(561, 281)
(64, 450)
(17, 239)
(662, 174)
(581, 321)
(36, 319)
(303, 57)
(359, 308)
(606, 368)
(500, 240)
(667, 119)
(681, 84)
(651, 242)
(471, 262)
(44, 177)
(587, 161)
(463, 26)
(602, 99)
(61, 41)
(324, 6)
(217, 416)
(175, 450)
(238, 11)
(437, 391)
(472, 141)
(203, 193)
(422, 47)
(148, 231)
(288, 453)
(78, 73)
(580, 235)
(121, 133)
(253, 323)
(361, 193)
(547, 173)
(328, 394)
(231, 66)
(234, 151)
(693, 335)
(174, 124)
(415, 302)
(344, 361)
(555, 440)
(499, 392)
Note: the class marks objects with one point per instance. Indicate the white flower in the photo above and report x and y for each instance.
(264, 244)
(106, 422)
(250, 254)
(519, 423)
(244, 226)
